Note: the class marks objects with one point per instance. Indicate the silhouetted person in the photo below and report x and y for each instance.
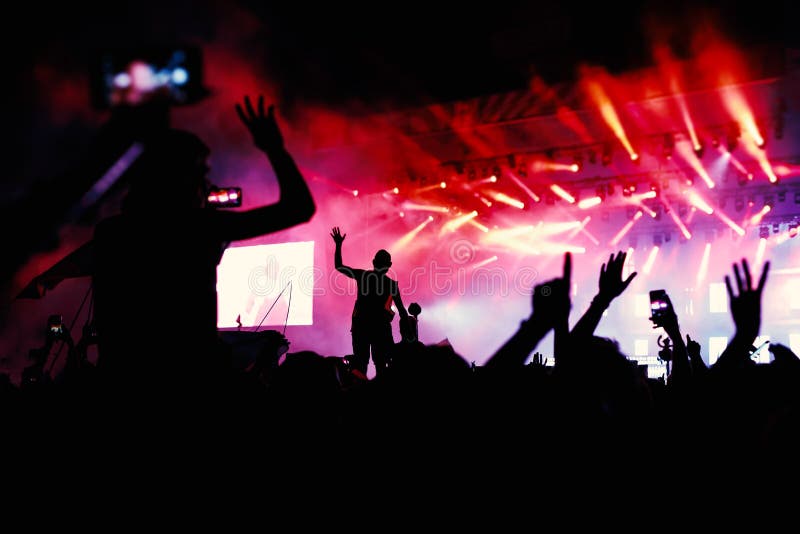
(155, 264)
(371, 325)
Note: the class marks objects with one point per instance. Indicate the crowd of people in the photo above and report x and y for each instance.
(426, 405)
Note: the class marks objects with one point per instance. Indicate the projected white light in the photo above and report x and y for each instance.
(180, 76)
(251, 280)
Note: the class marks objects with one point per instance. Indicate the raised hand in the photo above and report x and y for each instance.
(551, 300)
(538, 360)
(692, 347)
(611, 283)
(262, 126)
(337, 235)
(746, 304)
(783, 355)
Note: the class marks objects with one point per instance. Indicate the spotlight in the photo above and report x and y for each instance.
(699, 150)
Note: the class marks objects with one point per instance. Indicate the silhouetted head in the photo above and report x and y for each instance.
(382, 260)
(172, 171)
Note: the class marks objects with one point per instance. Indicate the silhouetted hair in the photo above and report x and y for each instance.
(382, 259)
(171, 167)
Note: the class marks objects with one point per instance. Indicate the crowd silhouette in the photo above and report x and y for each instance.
(426, 405)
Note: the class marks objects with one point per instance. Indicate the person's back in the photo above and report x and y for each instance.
(154, 265)
(155, 290)
(374, 301)
(371, 325)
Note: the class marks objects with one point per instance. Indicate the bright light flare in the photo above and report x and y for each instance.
(762, 248)
(727, 220)
(678, 222)
(563, 194)
(737, 106)
(651, 260)
(625, 229)
(610, 116)
(755, 219)
(413, 206)
(587, 203)
(691, 158)
(699, 202)
(478, 225)
(456, 223)
(481, 263)
(524, 187)
(554, 166)
(702, 272)
(505, 199)
(760, 156)
(404, 241)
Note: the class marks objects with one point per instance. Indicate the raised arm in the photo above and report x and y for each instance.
(611, 286)
(746, 313)
(338, 238)
(295, 205)
(551, 306)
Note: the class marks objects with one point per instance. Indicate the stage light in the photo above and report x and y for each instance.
(355, 192)
(651, 259)
(443, 185)
(577, 162)
(699, 150)
(756, 219)
(180, 76)
(396, 190)
(589, 202)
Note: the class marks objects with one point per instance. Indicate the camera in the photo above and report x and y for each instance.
(224, 197)
(167, 75)
(55, 326)
(660, 305)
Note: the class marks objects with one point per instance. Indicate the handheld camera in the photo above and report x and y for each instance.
(167, 75)
(55, 326)
(660, 306)
(224, 197)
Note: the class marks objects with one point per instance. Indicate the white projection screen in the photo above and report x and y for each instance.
(253, 279)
